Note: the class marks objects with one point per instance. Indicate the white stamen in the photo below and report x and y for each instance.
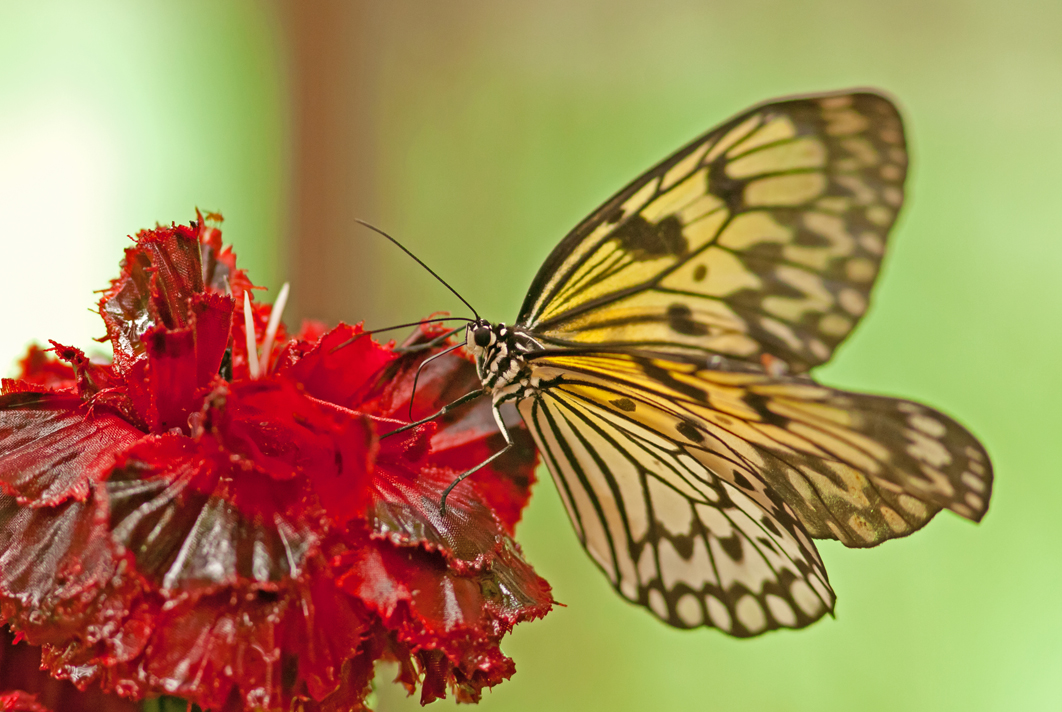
(248, 326)
(274, 324)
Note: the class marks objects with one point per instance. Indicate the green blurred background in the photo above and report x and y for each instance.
(479, 132)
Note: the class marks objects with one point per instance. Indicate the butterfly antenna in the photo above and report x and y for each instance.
(402, 326)
(418, 261)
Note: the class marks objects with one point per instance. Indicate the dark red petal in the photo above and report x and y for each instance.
(20, 669)
(489, 668)
(212, 322)
(406, 510)
(339, 365)
(126, 309)
(246, 649)
(335, 628)
(505, 485)
(274, 426)
(177, 271)
(161, 276)
(172, 376)
(54, 563)
(266, 645)
(167, 510)
(469, 535)
(52, 447)
(452, 622)
(199, 649)
(41, 368)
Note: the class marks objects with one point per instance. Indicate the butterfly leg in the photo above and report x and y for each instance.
(508, 444)
(424, 363)
(442, 411)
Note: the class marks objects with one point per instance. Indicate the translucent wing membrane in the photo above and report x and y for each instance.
(670, 535)
(858, 468)
(697, 490)
(762, 237)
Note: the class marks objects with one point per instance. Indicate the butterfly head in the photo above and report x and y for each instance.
(480, 335)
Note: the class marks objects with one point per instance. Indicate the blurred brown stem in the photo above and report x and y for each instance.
(331, 99)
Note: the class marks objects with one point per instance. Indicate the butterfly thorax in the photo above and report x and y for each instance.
(501, 359)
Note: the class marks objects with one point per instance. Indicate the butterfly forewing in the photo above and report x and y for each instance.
(762, 237)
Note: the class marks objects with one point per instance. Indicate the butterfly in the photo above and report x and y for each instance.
(661, 356)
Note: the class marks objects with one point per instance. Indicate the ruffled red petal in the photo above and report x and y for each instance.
(336, 369)
(40, 368)
(27, 688)
(169, 510)
(53, 447)
(272, 427)
(211, 324)
(19, 701)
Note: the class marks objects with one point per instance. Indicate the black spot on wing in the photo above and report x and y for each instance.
(646, 240)
(760, 404)
(689, 431)
(741, 481)
(614, 216)
(699, 273)
(727, 189)
(624, 404)
(767, 543)
(680, 319)
(683, 545)
(664, 377)
(732, 546)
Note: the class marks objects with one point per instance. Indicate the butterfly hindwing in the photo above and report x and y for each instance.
(762, 237)
(672, 537)
(853, 467)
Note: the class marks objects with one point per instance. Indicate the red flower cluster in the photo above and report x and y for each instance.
(171, 524)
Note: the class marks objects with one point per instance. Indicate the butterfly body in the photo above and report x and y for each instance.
(661, 358)
(501, 359)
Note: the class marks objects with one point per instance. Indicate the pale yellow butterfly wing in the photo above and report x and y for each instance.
(696, 468)
(763, 236)
(692, 548)
(697, 490)
(854, 467)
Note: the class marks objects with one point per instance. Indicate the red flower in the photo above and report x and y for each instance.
(170, 524)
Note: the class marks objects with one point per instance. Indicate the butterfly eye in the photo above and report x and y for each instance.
(482, 336)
